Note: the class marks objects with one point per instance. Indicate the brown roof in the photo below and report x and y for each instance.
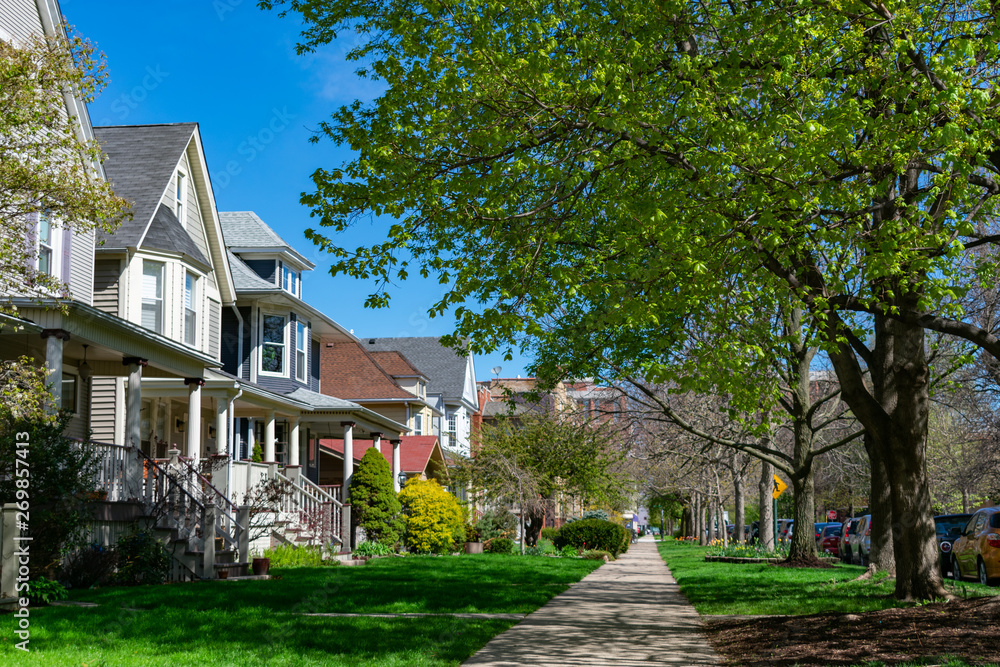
(395, 364)
(348, 371)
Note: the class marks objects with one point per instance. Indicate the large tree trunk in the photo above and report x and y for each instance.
(803, 547)
(712, 514)
(766, 487)
(918, 575)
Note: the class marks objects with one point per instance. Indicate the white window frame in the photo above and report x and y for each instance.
(418, 424)
(52, 247)
(191, 332)
(143, 300)
(286, 274)
(284, 346)
(75, 379)
(301, 351)
(180, 197)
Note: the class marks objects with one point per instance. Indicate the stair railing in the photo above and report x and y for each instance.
(227, 525)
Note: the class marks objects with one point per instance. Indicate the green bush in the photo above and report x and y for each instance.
(472, 533)
(497, 523)
(371, 548)
(140, 560)
(499, 545)
(434, 519)
(569, 552)
(289, 555)
(596, 554)
(88, 567)
(374, 504)
(594, 534)
(542, 548)
(595, 514)
(549, 533)
(41, 591)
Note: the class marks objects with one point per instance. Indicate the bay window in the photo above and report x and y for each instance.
(152, 295)
(300, 352)
(190, 309)
(273, 347)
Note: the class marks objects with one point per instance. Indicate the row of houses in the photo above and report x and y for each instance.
(186, 343)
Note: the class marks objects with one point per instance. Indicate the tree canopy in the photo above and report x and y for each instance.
(605, 177)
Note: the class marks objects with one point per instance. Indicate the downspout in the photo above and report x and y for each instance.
(232, 440)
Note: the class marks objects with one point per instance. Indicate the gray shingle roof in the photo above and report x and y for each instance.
(444, 368)
(140, 161)
(244, 278)
(245, 229)
(322, 401)
(167, 233)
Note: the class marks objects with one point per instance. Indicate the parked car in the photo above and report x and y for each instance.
(861, 541)
(848, 528)
(829, 539)
(976, 553)
(784, 525)
(949, 528)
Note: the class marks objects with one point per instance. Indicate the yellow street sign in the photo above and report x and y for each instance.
(779, 487)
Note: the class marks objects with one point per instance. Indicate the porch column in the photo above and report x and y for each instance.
(54, 339)
(133, 405)
(293, 443)
(194, 417)
(221, 426)
(395, 464)
(377, 441)
(348, 459)
(269, 455)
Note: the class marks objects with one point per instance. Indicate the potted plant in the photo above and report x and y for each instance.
(261, 565)
(472, 540)
(224, 573)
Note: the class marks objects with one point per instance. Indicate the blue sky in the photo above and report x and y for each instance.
(233, 69)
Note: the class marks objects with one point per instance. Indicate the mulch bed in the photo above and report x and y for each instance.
(968, 629)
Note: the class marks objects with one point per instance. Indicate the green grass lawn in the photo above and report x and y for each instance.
(730, 588)
(260, 622)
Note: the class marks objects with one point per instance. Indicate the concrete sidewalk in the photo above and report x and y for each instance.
(629, 612)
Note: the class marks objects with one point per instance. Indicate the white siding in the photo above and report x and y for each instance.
(214, 328)
(107, 281)
(19, 18)
(81, 277)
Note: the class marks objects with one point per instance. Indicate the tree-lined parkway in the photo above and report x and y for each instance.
(597, 181)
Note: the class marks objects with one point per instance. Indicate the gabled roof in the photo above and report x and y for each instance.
(354, 374)
(245, 230)
(140, 161)
(245, 279)
(415, 451)
(444, 368)
(166, 233)
(395, 364)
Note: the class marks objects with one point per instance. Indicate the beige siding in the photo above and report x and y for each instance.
(103, 402)
(214, 328)
(81, 268)
(107, 283)
(79, 425)
(194, 223)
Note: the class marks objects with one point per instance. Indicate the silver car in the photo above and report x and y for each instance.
(860, 541)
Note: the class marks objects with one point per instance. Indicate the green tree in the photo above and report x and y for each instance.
(374, 505)
(538, 458)
(47, 165)
(604, 176)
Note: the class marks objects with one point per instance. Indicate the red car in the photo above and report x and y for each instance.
(829, 540)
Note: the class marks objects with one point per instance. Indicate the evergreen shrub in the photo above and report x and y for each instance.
(374, 504)
(594, 534)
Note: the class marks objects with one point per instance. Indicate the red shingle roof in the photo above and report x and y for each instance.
(348, 371)
(415, 451)
(395, 364)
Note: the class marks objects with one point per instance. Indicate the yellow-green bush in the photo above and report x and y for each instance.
(434, 520)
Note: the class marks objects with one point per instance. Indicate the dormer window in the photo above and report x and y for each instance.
(289, 280)
(421, 389)
(418, 424)
(181, 196)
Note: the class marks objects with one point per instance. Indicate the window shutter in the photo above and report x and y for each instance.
(67, 255)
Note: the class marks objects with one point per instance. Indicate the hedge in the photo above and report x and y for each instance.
(594, 534)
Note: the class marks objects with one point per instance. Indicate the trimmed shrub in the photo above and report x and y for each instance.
(595, 514)
(549, 533)
(499, 545)
(596, 554)
(594, 534)
(434, 519)
(374, 505)
(497, 523)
